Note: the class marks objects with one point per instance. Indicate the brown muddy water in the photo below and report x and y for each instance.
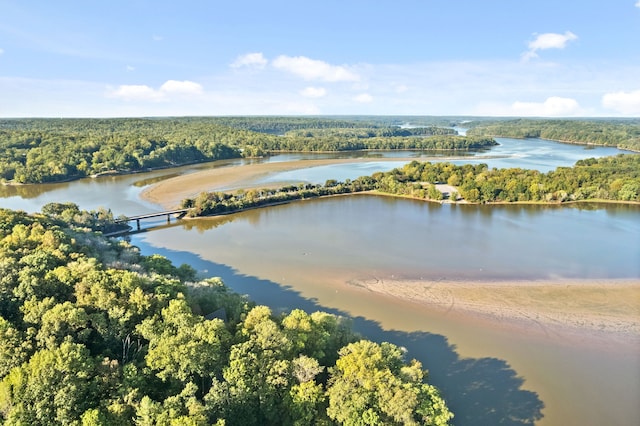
(306, 254)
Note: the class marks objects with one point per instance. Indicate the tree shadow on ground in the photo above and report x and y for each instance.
(480, 391)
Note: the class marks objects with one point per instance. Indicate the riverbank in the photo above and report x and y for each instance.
(592, 312)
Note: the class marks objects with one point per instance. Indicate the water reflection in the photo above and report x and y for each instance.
(429, 240)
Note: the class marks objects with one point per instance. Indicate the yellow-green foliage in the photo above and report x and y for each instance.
(91, 332)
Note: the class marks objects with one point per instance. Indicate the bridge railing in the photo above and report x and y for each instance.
(138, 218)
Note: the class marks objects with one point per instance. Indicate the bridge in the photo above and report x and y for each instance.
(179, 212)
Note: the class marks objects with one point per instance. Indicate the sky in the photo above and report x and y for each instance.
(138, 58)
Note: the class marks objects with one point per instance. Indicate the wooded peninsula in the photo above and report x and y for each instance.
(604, 179)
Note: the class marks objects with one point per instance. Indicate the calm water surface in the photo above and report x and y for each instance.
(301, 254)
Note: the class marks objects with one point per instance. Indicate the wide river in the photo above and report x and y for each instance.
(302, 254)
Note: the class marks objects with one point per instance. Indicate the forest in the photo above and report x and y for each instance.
(619, 133)
(54, 150)
(608, 178)
(94, 333)
(614, 178)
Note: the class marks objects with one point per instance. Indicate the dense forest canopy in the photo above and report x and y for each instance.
(620, 133)
(614, 178)
(94, 333)
(281, 125)
(51, 150)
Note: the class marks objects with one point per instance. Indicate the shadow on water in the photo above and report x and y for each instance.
(480, 391)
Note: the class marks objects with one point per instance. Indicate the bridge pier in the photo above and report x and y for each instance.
(138, 218)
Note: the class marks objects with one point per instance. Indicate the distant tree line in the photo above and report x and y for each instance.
(275, 125)
(623, 134)
(372, 132)
(94, 333)
(609, 178)
(283, 124)
(301, 143)
(53, 150)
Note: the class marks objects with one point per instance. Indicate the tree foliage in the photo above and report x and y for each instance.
(92, 332)
(371, 385)
(52, 150)
(624, 134)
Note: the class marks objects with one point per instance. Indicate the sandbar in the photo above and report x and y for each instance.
(170, 192)
(605, 311)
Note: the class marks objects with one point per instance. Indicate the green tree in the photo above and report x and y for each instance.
(183, 346)
(15, 348)
(56, 386)
(370, 384)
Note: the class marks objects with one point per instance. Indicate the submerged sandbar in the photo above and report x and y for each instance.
(589, 311)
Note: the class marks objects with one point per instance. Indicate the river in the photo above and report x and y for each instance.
(302, 254)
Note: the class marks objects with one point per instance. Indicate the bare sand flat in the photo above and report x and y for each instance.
(594, 309)
(170, 192)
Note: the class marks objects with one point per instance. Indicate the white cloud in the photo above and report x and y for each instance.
(170, 88)
(314, 92)
(1, 51)
(554, 106)
(255, 60)
(364, 98)
(312, 69)
(135, 92)
(548, 41)
(638, 3)
(434, 88)
(185, 87)
(157, 37)
(130, 68)
(627, 103)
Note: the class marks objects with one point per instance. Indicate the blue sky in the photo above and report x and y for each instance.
(557, 58)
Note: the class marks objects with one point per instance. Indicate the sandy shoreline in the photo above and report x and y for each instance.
(600, 311)
(168, 193)
(593, 309)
